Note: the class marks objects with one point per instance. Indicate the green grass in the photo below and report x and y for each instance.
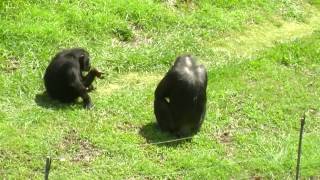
(256, 93)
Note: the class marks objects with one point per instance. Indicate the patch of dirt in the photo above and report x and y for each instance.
(139, 39)
(127, 126)
(225, 137)
(136, 79)
(314, 112)
(108, 89)
(145, 78)
(78, 149)
(175, 4)
(256, 178)
(171, 3)
(11, 64)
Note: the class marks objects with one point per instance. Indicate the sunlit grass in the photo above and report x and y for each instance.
(263, 64)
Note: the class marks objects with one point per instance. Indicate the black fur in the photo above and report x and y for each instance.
(63, 78)
(180, 98)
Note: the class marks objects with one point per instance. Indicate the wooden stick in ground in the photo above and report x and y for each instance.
(300, 145)
(47, 168)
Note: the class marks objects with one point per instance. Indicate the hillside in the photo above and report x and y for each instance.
(263, 67)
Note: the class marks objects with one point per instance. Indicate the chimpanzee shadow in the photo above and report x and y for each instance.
(154, 136)
(45, 101)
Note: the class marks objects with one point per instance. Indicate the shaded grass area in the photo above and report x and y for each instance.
(254, 106)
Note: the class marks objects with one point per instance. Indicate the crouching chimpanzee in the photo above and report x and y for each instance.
(64, 80)
(180, 98)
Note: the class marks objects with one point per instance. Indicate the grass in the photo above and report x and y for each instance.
(257, 91)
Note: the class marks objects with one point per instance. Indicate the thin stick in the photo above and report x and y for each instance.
(169, 141)
(47, 168)
(300, 145)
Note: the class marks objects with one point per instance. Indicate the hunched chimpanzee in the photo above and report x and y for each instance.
(180, 97)
(64, 80)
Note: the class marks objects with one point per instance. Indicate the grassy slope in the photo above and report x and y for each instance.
(253, 107)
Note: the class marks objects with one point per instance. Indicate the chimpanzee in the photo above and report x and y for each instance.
(180, 98)
(64, 80)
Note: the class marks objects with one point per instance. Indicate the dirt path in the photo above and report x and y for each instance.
(259, 37)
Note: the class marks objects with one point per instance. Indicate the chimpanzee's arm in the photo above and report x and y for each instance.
(89, 78)
(79, 88)
(163, 88)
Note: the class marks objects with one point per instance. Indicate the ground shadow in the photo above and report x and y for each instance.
(155, 136)
(45, 101)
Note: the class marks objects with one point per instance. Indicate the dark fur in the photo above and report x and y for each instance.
(180, 98)
(63, 78)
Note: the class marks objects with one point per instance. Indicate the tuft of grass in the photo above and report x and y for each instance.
(123, 33)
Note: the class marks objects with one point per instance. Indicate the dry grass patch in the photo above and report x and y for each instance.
(132, 80)
(262, 36)
(77, 149)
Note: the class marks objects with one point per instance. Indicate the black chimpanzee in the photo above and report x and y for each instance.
(64, 80)
(180, 98)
